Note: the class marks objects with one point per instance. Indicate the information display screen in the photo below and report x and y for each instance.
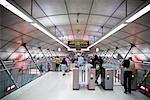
(78, 44)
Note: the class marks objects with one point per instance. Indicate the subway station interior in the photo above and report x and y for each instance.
(37, 36)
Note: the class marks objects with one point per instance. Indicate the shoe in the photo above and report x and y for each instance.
(64, 74)
(96, 82)
(125, 92)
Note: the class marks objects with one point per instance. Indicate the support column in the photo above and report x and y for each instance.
(24, 45)
(9, 74)
(132, 45)
(43, 54)
(114, 51)
(45, 58)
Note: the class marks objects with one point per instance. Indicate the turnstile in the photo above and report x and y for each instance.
(87, 77)
(91, 79)
(107, 78)
(76, 79)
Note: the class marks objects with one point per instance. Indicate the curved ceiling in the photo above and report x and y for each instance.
(76, 19)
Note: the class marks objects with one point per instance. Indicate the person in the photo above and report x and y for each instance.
(57, 62)
(68, 63)
(96, 65)
(80, 60)
(64, 66)
(129, 66)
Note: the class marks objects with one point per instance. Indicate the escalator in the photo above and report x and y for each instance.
(144, 86)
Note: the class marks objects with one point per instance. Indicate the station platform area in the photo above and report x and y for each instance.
(54, 86)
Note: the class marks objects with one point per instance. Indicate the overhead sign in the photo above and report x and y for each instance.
(78, 44)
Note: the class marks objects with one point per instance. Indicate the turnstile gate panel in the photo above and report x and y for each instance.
(76, 79)
(107, 78)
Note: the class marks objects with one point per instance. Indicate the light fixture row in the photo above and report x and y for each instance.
(28, 18)
(25, 16)
(124, 23)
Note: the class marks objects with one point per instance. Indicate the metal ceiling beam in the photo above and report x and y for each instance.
(47, 17)
(15, 39)
(26, 35)
(88, 18)
(92, 14)
(69, 17)
(113, 14)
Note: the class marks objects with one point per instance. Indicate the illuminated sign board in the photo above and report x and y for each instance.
(78, 44)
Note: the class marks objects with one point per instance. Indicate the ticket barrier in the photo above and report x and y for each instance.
(107, 78)
(76, 85)
(133, 81)
(90, 78)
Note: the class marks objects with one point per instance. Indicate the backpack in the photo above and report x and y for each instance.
(126, 63)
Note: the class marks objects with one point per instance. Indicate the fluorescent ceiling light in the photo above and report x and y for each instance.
(44, 30)
(16, 11)
(82, 50)
(71, 49)
(139, 14)
(22, 14)
(108, 34)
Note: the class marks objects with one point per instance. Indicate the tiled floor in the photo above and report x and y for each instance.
(54, 86)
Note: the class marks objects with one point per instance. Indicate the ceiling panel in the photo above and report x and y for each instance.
(133, 4)
(106, 41)
(78, 29)
(45, 21)
(134, 40)
(135, 51)
(144, 19)
(8, 18)
(111, 38)
(79, 6)
(2, 43)
(7, 34)
(60, 20)
(22, 39)
(121, 34)
(120, 12)
(134, 28)
(92, 28)
(35, 42)
(116, 44)
(25, 4)
(23, 27)
(144, 48)
(10, 47)
(97, 20)
(53, 7)
(96, 34)
(112, 22)
(82, 19)
(123, 43)
(37, 11)
(105, 7)
(145, 36)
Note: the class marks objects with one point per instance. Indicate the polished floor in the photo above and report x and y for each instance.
(54, 86)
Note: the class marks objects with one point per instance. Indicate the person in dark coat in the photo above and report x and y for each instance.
(96, 65)
(64, 66)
